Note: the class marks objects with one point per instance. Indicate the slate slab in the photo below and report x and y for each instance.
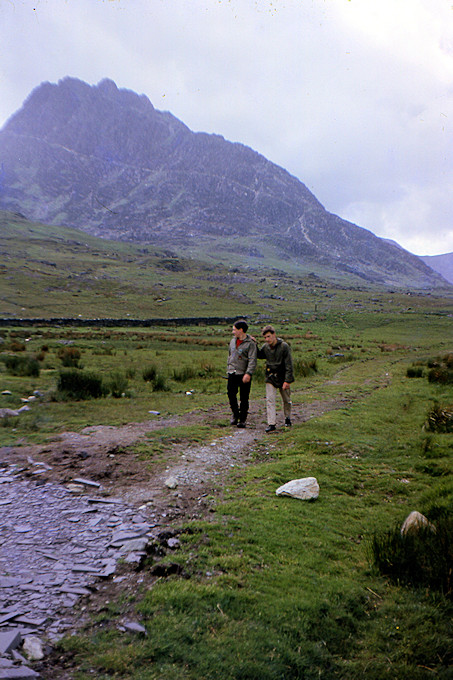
(9, 640)
(21, 673)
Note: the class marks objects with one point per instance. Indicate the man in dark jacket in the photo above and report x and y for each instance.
(279, 375)
(241, 364)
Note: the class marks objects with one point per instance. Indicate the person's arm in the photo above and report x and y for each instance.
(251, 363)
(260, 352)
(289, 373)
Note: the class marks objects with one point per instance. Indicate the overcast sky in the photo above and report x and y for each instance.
(353, 97)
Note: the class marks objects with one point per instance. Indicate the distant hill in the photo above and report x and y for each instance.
(443, 264)
(106, 161)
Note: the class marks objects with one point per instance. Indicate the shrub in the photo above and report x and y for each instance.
(184, 373)
(160, 384)
(208, 370)
(441, 374)
(440, 419)
(69, 356)
(16, 346)
(414, 372)
(117, 384)
(149, 373)
(303, 368)
(448, 360)
(423, 558)
(78, 385)
(21, 365)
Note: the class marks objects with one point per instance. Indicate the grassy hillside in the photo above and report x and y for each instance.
(53, 271)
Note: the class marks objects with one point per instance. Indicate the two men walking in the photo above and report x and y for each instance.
(242, 357)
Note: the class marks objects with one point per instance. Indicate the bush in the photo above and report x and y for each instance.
(420, 559)
(208, 370)
(441, 374)
(184, 373)
(78, 385)
(21, 365)
(440, 419)
(303, 368)
(69, 356)
(117, 384)
(149, 373)
(414, 372)
(160, 384)
(16, 346)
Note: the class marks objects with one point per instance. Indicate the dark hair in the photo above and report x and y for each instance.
(268, 329)
(241, 324)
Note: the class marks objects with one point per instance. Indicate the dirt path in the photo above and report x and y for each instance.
(67, 536)
(104, 454)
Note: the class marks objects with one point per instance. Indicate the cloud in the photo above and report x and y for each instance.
(354, 98)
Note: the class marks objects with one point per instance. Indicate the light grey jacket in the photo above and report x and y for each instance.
(242, 359)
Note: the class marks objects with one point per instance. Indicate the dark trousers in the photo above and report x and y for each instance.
(234, 384)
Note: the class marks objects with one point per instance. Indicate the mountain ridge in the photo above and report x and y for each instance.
(443, 264)
(105, 161)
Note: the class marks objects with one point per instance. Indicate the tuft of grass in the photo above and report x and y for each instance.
(149, 373)
(422, 558)
(117, 384)
(69, 356)
(74, 384)
(21, 365)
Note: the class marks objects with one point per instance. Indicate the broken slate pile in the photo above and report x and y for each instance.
(54, 546)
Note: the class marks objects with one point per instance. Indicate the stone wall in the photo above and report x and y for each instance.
(109, 323)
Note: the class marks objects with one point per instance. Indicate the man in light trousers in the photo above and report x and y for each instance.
(279, 375)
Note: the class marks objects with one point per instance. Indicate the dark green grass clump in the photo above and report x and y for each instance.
(21, 365)
(79, 385)
(441, 369)
(69, 357)
(414, 372)
(303, 368)
(421, 559)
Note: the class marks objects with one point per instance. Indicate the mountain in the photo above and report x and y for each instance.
(443, 264)
(106, 161)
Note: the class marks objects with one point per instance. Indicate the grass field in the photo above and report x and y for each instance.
(274, 587)
(271, 588)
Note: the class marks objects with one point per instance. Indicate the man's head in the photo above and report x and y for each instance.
(269, 335)
(240, 328)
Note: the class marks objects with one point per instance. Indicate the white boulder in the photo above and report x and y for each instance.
(305, 489)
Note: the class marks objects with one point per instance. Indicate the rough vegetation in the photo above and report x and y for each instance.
(259, 586)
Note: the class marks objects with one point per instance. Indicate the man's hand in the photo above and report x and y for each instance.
(285, 386)
(246, 378)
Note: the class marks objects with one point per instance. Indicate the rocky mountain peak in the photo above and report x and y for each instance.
(103, 159)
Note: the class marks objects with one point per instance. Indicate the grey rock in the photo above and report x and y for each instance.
(86, 482)
(134, 627)
(414, 522)
(304, 489)
(33, 647)
(20, 673)
(9, 640)
(137, 544)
